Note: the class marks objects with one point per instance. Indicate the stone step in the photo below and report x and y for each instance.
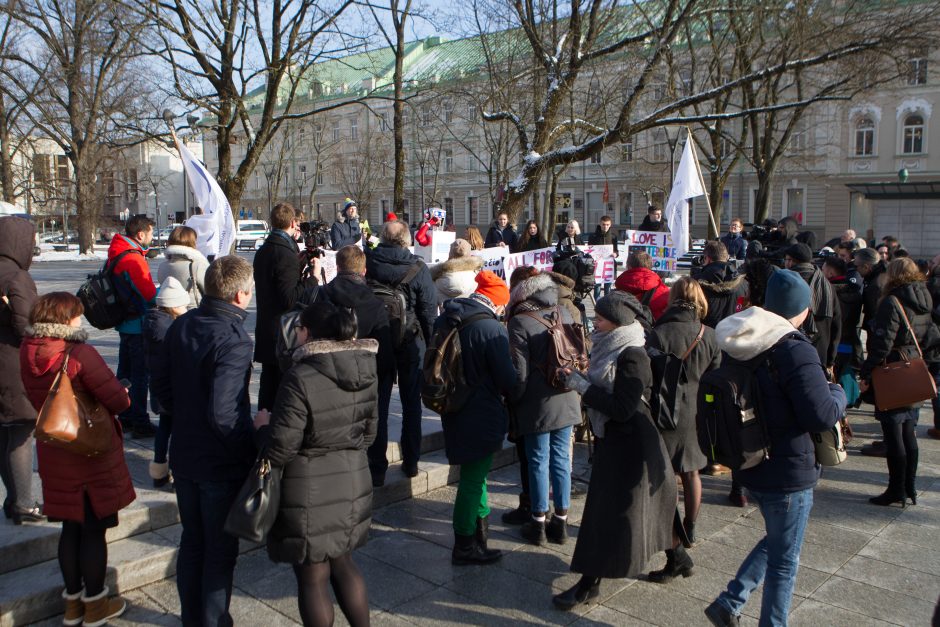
(32, 592)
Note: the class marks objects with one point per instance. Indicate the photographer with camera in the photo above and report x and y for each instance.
(282, 273)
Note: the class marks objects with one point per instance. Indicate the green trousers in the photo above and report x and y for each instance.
(470, 503)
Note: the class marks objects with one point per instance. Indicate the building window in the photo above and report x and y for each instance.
(319, 175)
(472, 112)
(596, 157)
(383, 121)
(864, 138)
(797, 140)
(626, 150)
(354, 129)
(318, 134)
(660, 146)
(796, 203)
(473, 209)
(449, 208)
(913, 134)
(426, 115)
(626, 208)
(132, 184)
(448, 161)
(917, 68)
(448, 106)
(337, 134)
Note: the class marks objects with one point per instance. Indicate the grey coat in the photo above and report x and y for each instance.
(188, 266)
(324, 419)
(538, 407)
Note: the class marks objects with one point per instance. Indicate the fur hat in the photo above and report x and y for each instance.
(493, 287)
(787, 294)
(617, 308)
(460, 248)
(800, 253)
(172, 294)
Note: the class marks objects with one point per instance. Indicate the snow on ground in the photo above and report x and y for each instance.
(48, 254)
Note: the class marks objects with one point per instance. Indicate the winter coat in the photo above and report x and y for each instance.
(188, 266)
(850, 305)
(536, 243)
(203, 383)
(538, 407)
(156, 323)
(135, 282)
(456, 278)
(324, 419)
(780, 241)
(351, 290)
(673, 333)
(68, 477)
(736, 245)
(479, 427)
(656, 227)
(600, 238)
(725, 290)
(566, 296)
(793, 391)
(17, 295)
(389, 264)
(871, 295)
(345, 232)
(568, 243)
(496, 235)
(278, 286)
(639, 281)
(631, 499)
(827, 316)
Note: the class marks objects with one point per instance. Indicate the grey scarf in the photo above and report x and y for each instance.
(605, 350)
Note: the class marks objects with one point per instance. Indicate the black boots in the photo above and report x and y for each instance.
(910, 475)
(556, 531)
(534, 531)
(483, 531)
(897, 466)
(689, 526)
(586, 589)
(721, 617)
(521, 514)
(468, 550)
(678, 562)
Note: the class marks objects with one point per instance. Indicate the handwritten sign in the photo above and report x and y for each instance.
(605, 263)
(540, 259)
(658, 245)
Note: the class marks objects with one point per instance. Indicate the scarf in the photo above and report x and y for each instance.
(606, 348)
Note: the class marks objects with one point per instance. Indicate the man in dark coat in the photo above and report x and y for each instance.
(280, 280)
(849, 294)
(389, 264)
(874, 272)
(603, 236)
(204, 385)
(346, 230)
(823, 326)
(734, 240)
(654, 221)
(476, 431)
(798, 401)
(17, 415)
(501, 233)
(724, 289)
(783, 238)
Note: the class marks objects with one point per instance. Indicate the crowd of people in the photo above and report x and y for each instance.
(321, 420)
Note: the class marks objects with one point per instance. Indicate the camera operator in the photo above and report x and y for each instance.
(281, 273)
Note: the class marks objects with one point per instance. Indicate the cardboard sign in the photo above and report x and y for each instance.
(493, 260)
(541, 259)
(605, 268)
(658, 245)
(439, 249)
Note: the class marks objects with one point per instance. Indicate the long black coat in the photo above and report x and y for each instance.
(631, 499)
(674, 332)
(324, 419)
(889, 334)
(352, 291)
(18, 293)
(278, 285)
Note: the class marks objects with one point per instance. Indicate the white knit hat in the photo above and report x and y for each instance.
(172, 294)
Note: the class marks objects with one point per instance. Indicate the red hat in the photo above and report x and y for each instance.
(390, 216)
(493, 287)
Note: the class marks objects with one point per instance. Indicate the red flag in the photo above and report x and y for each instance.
(606, 192)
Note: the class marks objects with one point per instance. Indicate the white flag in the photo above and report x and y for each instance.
(215, 229)
(687, 185)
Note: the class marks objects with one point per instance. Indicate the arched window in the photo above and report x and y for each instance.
(913, 135)
(864, 137)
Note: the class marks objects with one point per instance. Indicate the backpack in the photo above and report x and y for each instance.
(669, 375)
(401, 318)
(566, 348)
(287, 325)
(105, 305)
(445, 388)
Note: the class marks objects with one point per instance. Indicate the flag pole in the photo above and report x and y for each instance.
(698, 170)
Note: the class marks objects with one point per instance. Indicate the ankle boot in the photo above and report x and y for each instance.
(556, 531)
(483, 531)
(586, 589)
(689, 526)
(910, 476)
(895, 491)
(468, 551)
(160, 473)
(99, 609)
(74, 608)
(521, 514)
(678, 562)
(534, 531)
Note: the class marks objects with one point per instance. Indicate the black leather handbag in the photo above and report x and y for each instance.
(255, 508)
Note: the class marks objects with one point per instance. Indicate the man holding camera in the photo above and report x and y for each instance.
(282, 274)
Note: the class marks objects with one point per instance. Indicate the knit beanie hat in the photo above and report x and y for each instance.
(460, 248)
(787, 294)
(349, 203)
(493, 287)
(800, 253)
(390, 216)
(617, 308)
(868, 256)
(172, 294)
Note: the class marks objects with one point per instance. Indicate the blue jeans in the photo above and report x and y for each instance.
(206, 563)
(776, 557)
(549, 457)
(597, 290)
(132, 365)
(408, 361)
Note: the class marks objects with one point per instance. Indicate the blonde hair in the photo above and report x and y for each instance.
(687, 290)
(577, 227)
(475, 238)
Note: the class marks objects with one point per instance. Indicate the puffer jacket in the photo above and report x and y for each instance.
(639, 281)
(67, 477)
(154, 327)
(456, 278)
(538, 407)
(324, 419)
(889, 335)
(17, 295)
(725, 290)
(135, 282)
(188, 266)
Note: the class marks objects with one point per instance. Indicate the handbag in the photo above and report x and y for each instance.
(74, 421)
(830, 446)
(903, 383)
(255, 508)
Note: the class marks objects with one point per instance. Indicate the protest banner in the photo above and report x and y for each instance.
(493, 260)
(605, 263)
(540, 259)
(658, 245)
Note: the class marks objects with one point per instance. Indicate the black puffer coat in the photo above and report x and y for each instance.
(389, 265)
(17, 295)
(725, 290)
(154, 326)
(351, 290)
(324, 419)
(849, 295)
(871, 295)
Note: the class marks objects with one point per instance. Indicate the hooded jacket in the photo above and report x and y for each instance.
(345, 232)
(155, 325)
(456, 278)
(793, 394)
(496, 235)
(725, 290)
(323, 421)
(188, 266)
(17, 295)
(657, 227)
(351, 290)
(136, 283)
(539, 407)
(639, 281)
(389, 264)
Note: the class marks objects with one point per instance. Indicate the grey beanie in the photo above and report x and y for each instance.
(867, 256)
(172, 294)
(618, 308)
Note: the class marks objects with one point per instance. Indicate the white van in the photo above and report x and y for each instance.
(250, 233)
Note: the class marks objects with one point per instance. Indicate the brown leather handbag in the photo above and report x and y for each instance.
(906, 382)
(74, 421)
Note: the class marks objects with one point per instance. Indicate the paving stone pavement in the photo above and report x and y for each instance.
(860, 564)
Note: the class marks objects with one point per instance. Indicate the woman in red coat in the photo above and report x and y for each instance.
(84, 493)
(640, 280)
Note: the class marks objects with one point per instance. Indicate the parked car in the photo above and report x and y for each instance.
(250, 233)
(162, 235)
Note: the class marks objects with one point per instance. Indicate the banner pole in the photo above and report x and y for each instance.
(698, 169)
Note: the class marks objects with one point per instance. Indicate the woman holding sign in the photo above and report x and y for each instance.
(532, 238)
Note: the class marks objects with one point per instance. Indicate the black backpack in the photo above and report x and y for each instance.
(401, 318)
(106, 304)
(287, 326)
(445, 388)
(669, 375)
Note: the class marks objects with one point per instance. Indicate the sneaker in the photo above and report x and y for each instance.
(143, 430)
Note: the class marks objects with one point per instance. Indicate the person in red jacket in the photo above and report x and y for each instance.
(136, 286)
(647, 286)
(83, 493)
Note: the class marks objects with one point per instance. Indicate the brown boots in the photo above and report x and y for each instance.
(99, 609)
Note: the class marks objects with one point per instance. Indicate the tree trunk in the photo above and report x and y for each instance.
(6, 166)
(763, 196)
(715, 192)
(86, 208)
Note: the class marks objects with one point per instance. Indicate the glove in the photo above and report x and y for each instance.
(575, 381)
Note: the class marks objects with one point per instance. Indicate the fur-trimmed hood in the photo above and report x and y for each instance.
(540, 290)
(350, 364)
(724, 287)
(458, 264)
(176, 251)
(57, 331)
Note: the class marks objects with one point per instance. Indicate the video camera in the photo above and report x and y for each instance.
(316, 237)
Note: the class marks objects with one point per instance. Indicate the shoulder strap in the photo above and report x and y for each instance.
(647, 297)
(410, 275)
(697, 339)
(909, 328)
(473, 318)
(534, 315)
(65, 362)
(110, 266)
